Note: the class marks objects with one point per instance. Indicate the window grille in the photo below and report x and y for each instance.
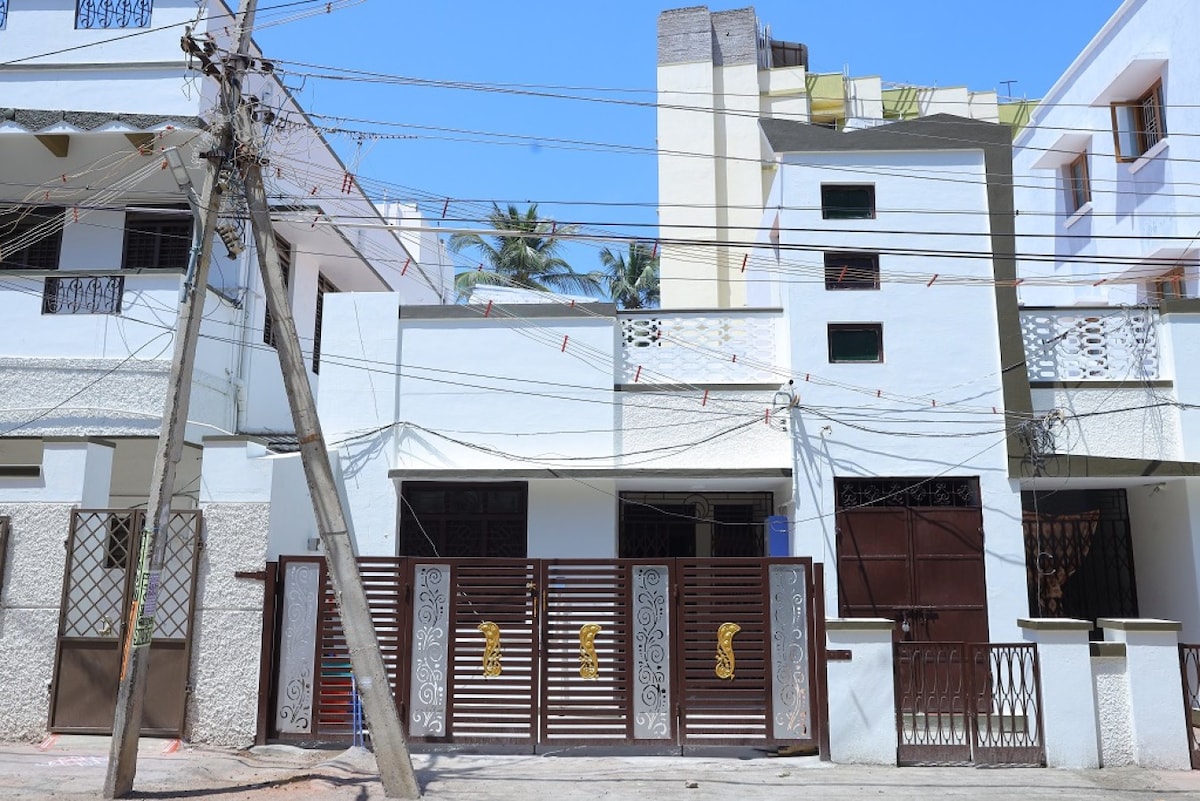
(30, 238)
(155, 241)
(113, 13)
(284, 250)
(324, 285)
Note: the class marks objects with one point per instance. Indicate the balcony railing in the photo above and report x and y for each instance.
(91, 294)
(1108, 343)
(701, 347)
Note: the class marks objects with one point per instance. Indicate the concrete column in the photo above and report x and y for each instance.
(862, 692)
(235, 497)
(1155, 696)
(1069, 718)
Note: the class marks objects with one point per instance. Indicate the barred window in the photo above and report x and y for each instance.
(284, 249)
(157, 240)
(1140, 124)
(30, 238)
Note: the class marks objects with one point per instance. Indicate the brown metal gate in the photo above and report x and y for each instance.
(97, 588)
(968, 703)
(561, 653)
(1189, 668)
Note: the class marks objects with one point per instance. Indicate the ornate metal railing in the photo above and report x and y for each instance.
(96, 294)
(113, 13)
(962, 703)
(1109, 343)
(678, 347)
(1189, 667)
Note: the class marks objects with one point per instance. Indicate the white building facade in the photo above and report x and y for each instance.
(95, 243)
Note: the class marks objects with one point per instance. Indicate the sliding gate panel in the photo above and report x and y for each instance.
(740, 674)
(605, 652)
(492, 686)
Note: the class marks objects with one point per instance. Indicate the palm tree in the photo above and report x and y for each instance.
(524, 254)
(631, 280)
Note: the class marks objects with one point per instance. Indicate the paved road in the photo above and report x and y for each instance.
(73, 768)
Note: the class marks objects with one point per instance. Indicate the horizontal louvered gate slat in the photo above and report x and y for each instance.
(586, 653)
(500, 707)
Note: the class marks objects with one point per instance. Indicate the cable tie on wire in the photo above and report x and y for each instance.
(735, 358)
(933, 402)
(564, 345)
(404, 269)
(879, 393)
(931, 280)
(654, 252)
(704, 400)
(488, 310)
(807, 376)
(315, 219)
(572, 303)
(1101, 281)
(64, 177)
(75, 213)
(312, 192)
(745, 258)
(767, 416)
(445, 208)
(842, 274)
(638, 374)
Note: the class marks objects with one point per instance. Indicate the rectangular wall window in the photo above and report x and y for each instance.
(1140, 124)
(847, 202)
(449, 520)
(157, 240)
(1075, 177)
(1171, 285)
(113, 13)
(324, 285)
(30, 238)
(852, 271)
(284, 249)
(855, 342)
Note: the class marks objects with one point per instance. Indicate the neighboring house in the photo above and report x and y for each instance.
(95, 242)
(718, 74)
(902, 484)
(1107, 231)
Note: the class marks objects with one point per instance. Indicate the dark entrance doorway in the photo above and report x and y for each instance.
(912, 550)
(1079, 555)
(656, 525)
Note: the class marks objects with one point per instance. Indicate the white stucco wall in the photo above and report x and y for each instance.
(1112, 710)
(1165, 522)
(573, 519)
(74, 473)
(1134, 421)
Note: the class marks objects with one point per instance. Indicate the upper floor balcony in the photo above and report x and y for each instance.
(719, 346)
(1091, 344)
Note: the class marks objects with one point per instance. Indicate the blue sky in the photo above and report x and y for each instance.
(605, 46)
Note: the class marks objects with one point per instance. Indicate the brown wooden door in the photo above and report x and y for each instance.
(920, 566)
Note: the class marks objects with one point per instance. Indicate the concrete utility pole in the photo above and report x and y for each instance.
(391, 751)
(139, 626)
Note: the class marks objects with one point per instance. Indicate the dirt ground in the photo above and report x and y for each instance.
(74, 768)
